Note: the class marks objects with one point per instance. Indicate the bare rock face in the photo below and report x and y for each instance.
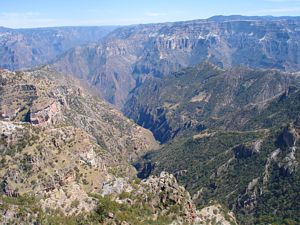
(45, 115)
(164, 197)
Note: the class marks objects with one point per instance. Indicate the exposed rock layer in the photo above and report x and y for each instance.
(121, 61)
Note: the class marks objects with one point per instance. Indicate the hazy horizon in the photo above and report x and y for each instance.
(38, 14)
(119, 25)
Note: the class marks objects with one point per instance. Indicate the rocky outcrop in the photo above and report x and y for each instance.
(162, 194)
(267, 171)
(288, 137)
(46, 115)
(116, 187)
(288, 142)
(215, 214)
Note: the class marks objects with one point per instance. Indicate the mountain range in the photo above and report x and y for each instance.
(129, 54)
(192, 122)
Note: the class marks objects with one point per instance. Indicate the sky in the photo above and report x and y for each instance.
(47, 13)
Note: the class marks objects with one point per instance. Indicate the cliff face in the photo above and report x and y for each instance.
(27, 48)
(129, 54)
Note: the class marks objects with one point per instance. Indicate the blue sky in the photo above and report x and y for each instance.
(43, 13)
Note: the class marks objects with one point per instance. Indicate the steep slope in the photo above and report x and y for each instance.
(256, 174)
(106, 69)
(205, 96)
(65, 159)
(121, 61)
(231, 135)
(27, 48)
(49, 98)
(58, 143)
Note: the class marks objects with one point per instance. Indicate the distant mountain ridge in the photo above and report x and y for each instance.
(129, 54)
(125, 55)
(241, 17)
(28, 48)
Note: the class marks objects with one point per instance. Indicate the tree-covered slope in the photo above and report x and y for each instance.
(255, 174)
(208, 97)
(230, 136)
